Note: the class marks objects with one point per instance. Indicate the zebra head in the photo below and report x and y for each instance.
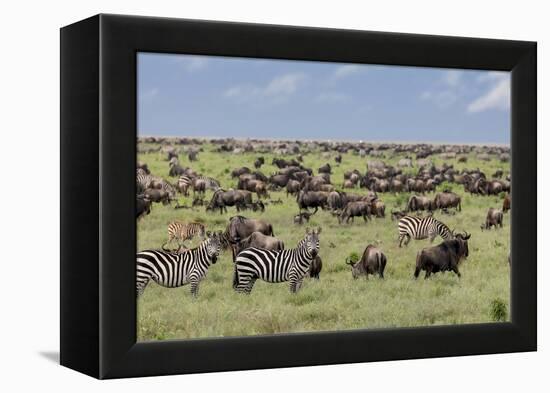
(311, 242)
(213, 244)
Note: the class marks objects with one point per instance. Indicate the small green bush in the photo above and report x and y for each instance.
(498, 310)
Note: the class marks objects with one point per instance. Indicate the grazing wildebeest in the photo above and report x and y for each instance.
(336, 200)
(143, 206)
(325, 168)
(417, 203)
(447, 199)
(301, 217)
(221, 199)
(259, 162)
(355, 209)
(279, 180)
(313, 199)
(396, 215)
(240, 171)
(498, 173)
(444, 257)
(192, 155)
(338, 159)
(156, 195)
(176, 170)
(378, 208)
(494, 219)
(240, 228)
(316, 267)
(507, 203)
(372, 262)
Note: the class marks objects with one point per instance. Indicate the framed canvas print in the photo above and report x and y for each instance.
(239, 196)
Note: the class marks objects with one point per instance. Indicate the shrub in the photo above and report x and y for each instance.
(498, 310)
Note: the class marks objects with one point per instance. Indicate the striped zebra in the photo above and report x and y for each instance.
(276, 266)
(173, 270)
(418, 228)
(145, 181)
(197, 183)
(182, 232)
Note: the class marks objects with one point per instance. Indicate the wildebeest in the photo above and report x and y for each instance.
(372, 262)
(301, 217)
(240, 171)
(240, 228)
(378, 208)
(355, 209)
(507, 203)
(221, 199)
(316, 267)
(446, 256)
(143, 206)
(292, 187)
(258, 240)
(314, 199)
(325, 168)
(417, 203)
(157, 195)
(494, 219)
(259, 162)
(447, 199)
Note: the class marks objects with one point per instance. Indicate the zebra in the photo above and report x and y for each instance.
(186, 181)
(173, 270)
(145, 181)
(418, 228)
(182, 232)
(276, 266)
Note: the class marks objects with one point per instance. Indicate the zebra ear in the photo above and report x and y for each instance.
(208, 233)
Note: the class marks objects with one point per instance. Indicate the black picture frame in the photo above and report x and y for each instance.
(98, 227)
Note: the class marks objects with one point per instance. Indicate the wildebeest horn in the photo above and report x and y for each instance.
(348, 262)
(467, 235)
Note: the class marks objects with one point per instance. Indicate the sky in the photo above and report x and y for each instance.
(214, 96)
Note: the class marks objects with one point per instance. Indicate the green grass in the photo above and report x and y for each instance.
(336, 301)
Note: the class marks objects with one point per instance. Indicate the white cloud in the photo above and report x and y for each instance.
(497, 95)
(442, 99)
(192, 63)
(149, 94)
(332, 97)
(346, 70)
(452, 77)
(280, 87)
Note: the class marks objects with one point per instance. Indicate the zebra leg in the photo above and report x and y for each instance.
(140, 285)
(401, 237)
(408, 240)
(250, 285)
(195, 288)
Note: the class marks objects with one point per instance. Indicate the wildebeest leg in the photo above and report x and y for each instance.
(316, 208)
(428, 272)
(455, 269)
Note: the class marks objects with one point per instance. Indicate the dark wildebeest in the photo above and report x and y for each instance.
(498, 173)
(301, 217)
(372, 262)
(176, 170)
(336, 200)
(325, 168)
(507, 203)
(444, 257)
(338, 159)
(378, 208)
(494, 219)
(143, 206)
(258, 240)
(313, 199)
(447, 199)
(279, 180)
(396, 215)
(240, 228)
(156, 195)
(355, 209)
(240, 171)
(259, 162)
(417, 203)
(221, 199)
(192, 155)
(316, 267)
(292, 187)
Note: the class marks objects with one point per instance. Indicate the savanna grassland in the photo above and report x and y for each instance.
(336, 301)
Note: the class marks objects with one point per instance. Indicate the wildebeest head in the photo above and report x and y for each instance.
(463, 242)
(311, 241)
(355, 268)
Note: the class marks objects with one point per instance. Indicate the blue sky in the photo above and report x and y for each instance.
(212, 96)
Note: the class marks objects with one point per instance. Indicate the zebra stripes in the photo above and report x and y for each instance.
(185, 181)
(276, 266)
(174, 270)
(145, 181)
(411, 227)
(183, 232)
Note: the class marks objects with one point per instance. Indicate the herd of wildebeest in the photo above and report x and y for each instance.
(425, 184)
